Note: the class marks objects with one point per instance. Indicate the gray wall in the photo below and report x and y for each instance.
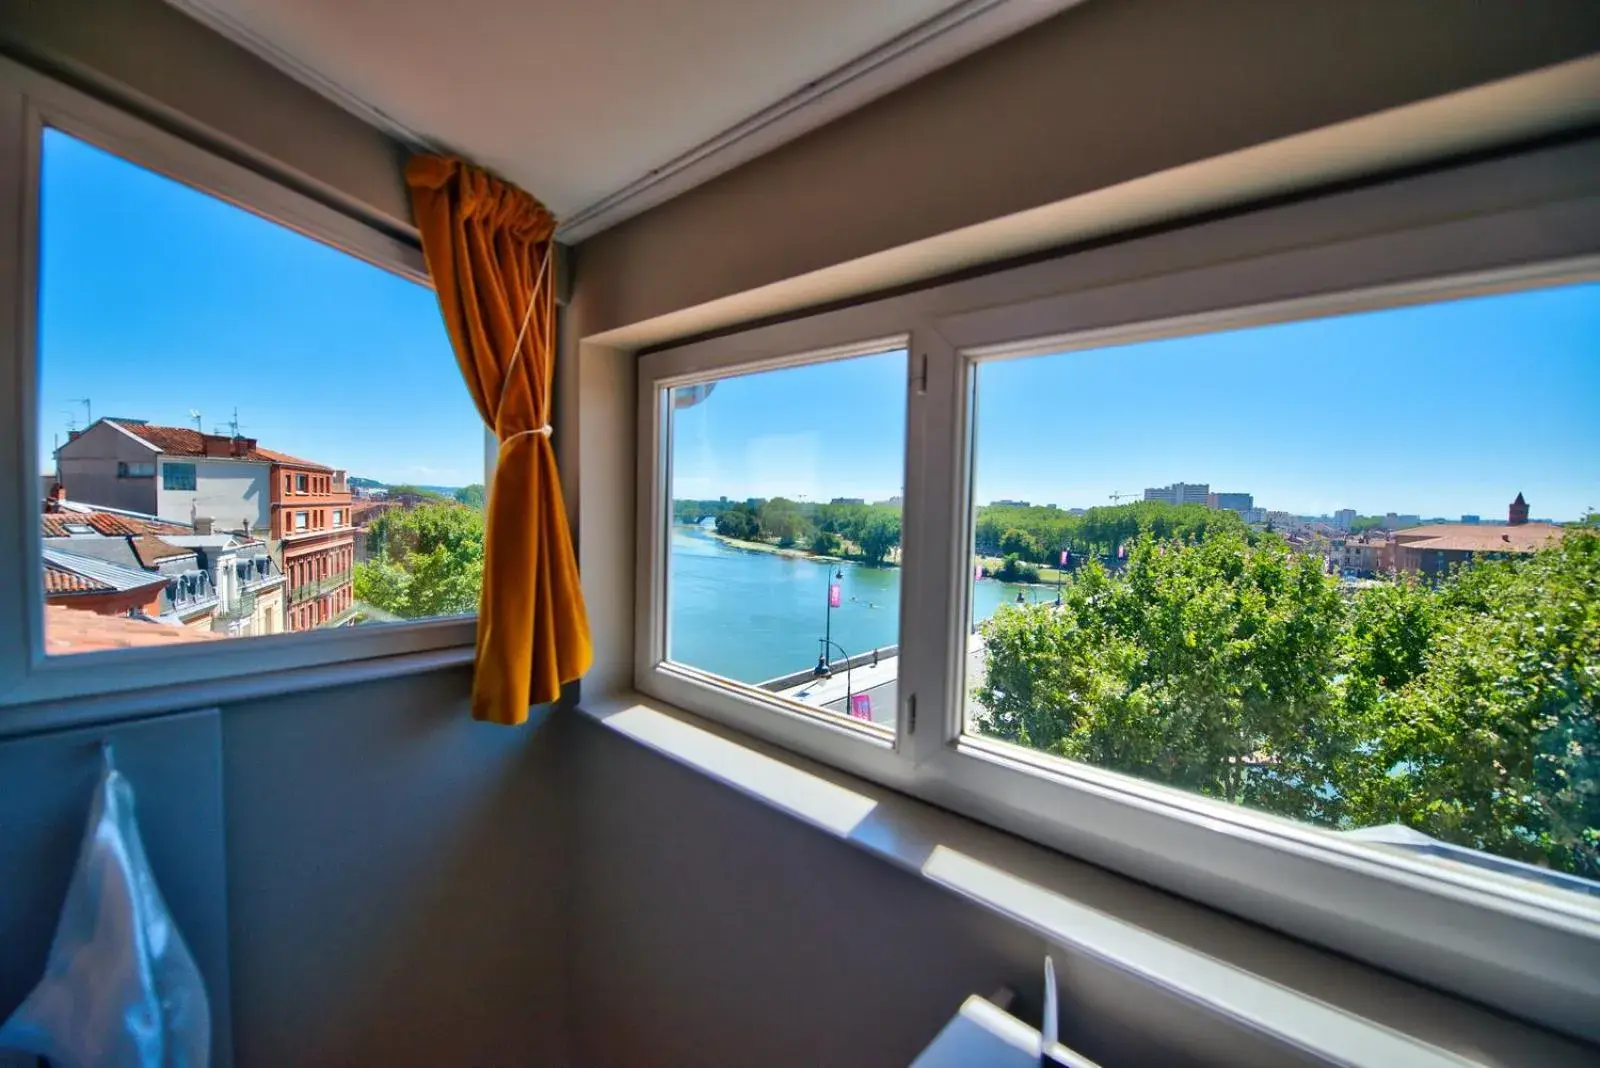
(88, 468)
(1103, 93)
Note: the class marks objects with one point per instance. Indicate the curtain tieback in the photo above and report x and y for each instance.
(543, 431)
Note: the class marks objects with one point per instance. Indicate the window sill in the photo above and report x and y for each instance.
(92, 711)
(1292, 995)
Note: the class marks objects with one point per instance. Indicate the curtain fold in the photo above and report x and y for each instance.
(490, 250)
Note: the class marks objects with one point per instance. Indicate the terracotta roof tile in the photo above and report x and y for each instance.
(182, 441)
(55, 524)
(1479, 537)
(73, 630)
(151, 550)
(60, 580)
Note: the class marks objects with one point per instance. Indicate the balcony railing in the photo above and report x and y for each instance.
(309, 590)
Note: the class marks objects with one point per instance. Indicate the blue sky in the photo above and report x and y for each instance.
(156, 298)
(1445, 409)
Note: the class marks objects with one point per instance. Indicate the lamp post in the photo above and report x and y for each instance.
(824, 671)
(826, 640)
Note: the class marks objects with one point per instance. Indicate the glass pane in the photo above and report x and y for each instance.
(213, 388)
(1344, 570)
(784, 555)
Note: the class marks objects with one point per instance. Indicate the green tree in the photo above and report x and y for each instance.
(825, 543)
(1206, 666)
(739, 522)
(426, 561)
(782, 520)
(1012, 569)
(1495, 745)
(1020, 544)
(472, 496)
(878, 535)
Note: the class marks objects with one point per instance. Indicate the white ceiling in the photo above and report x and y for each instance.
(603, 107)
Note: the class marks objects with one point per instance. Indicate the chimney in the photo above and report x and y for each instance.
(57, 494)
(1519, 511)
(243, 447)
(202, 524)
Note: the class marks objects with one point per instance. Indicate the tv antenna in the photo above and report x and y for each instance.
(233, 424)
(194, 413)
(88, 410)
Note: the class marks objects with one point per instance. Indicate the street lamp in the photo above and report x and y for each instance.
(826, 640)
(824, 671)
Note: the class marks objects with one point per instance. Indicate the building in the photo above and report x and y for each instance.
(1471, 519)
(1366, 554)
(1434, 549)
(1180, 493)
(228, 484)
(91, 584)
(1010, 504)
(1232, 502)
(1344, 518)
(848, 500)
(226, 583)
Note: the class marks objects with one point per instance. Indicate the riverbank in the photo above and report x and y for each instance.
(768, 547)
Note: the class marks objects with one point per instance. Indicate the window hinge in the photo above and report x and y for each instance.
(911, 713)
(922, 375)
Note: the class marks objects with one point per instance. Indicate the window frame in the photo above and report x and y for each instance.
(30, 102)
(1518, 221)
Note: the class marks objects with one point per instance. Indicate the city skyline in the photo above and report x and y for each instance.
(156, 298)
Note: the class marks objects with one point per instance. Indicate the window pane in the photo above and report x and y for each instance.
(784, 554)
(1344, 570)
(184, 336)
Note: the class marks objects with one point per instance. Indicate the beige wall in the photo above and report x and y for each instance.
(1105, 92)
(148, 56)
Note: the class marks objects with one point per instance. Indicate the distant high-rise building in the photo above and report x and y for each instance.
(1519, 511)
(1471, 519)
(1010, 504)
(1180, 493)
(1232, 502)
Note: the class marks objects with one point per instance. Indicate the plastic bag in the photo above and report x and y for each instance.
(120, 989)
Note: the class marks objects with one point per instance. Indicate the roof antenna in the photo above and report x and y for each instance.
(88, 409)
(234, 423)
(194, 413)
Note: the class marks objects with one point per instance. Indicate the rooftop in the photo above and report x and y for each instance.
(1479, 537)
(73, 630)
(184, 441)
(105, 522)
(66, 572)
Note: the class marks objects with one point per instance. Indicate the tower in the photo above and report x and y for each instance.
(1519, 511)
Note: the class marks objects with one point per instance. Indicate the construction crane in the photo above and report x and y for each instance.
(1116, 498)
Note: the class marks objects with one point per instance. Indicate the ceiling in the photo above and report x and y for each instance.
(602, 108)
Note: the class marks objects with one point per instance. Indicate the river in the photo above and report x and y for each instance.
(753, 616)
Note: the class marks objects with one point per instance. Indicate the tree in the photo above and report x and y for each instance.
(1205, 666)
(1013, 569)
(1021, 545)
(825, 543)
(1495, 744)
(880, 534)
(426, 561)
(472, 496)
(782, 520)
(739, 522)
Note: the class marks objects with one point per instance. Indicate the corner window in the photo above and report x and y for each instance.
(177, 476)
(107, 333)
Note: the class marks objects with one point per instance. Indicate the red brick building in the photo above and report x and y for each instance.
(311, 521)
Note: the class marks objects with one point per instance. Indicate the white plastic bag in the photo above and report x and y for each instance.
(120, 989)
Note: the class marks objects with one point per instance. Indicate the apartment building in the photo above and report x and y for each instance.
(228, 484)
(1179, 493)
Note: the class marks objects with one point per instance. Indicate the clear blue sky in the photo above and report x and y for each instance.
(1440, 410)
(156, 298)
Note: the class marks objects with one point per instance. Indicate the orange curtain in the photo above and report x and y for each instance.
(490, 249)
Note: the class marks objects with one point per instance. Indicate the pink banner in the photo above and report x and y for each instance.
(861, 706)
(833, 595)
(1066, 554)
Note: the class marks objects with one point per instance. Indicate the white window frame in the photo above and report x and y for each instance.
(1491, 226)
(29, 102)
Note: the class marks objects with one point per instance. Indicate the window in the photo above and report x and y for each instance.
(784, 545)
(1124, 628)
(175, 476)
(338, 517)
(206, 263)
